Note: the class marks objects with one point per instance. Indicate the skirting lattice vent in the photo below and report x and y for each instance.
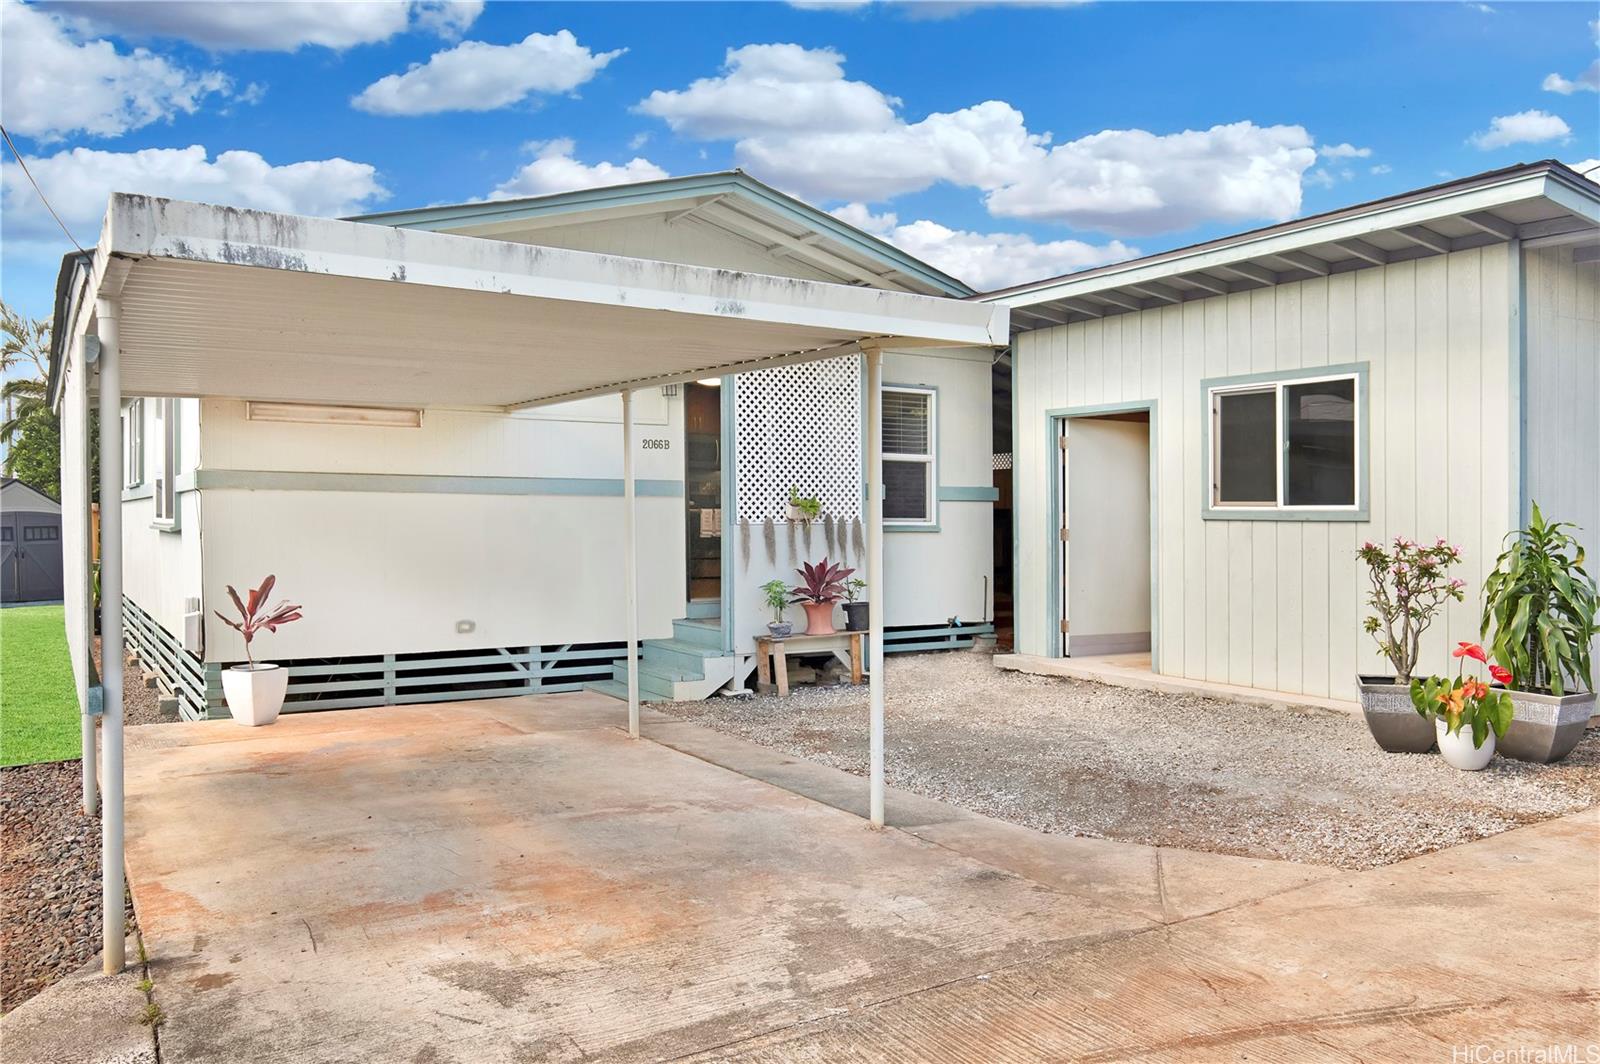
(799, 427)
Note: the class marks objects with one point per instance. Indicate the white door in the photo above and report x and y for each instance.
(1061, 534)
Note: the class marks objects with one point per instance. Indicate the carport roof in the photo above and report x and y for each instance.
(223, 302)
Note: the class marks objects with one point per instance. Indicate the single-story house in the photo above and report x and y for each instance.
(463, 550)
(30, 544)
(1204, 437)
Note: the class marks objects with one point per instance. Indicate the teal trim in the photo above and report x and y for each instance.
(1053, 420)
(734, 183)
(1016, 531)
(962, 493)
(893, 529)
(139, 491)
(1362, 510)
(407, 483)
(730, 508)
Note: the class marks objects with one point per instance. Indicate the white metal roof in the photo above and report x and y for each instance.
(1524, 202)
(222, 302)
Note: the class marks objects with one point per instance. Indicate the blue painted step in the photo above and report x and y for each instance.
(705, 632)
(620, 691)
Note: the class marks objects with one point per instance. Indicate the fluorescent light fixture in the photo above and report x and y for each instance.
(319, 414)
(711, 382)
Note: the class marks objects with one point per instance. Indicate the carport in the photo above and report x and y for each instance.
(190, 300)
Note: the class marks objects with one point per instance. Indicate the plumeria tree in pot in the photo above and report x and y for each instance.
(255, 690)
(1467, 715)
(1409, 586)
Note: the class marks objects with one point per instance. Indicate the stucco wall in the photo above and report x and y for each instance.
(1277, 604)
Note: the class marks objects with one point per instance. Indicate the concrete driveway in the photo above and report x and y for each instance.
(516, 880)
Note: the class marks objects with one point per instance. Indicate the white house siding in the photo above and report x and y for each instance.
(161, 567)
(393, 567)
(1562, 396)
(1278, 605)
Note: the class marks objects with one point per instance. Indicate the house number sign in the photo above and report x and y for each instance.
(657, 445)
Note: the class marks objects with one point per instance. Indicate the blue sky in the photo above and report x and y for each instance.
(1001, 143)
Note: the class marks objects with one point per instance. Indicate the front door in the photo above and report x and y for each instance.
(702, 405)
(1061, 536)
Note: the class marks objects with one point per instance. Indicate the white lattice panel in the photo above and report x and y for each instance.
(799, 427)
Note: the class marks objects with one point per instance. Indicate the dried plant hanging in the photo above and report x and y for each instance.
(744, 545)
(827, 536)
(805, 534)
(769, 537)
(793, 557)
(841, 535)
(858, 538)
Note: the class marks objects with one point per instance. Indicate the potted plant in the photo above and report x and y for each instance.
(803, 508)
(777, 596)
(824, 586)
(1541, 605)
(857, 614)
(1468, 715)
(1409, 587)
(255, 690)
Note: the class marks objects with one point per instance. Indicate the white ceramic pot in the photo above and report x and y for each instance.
(1458, 751)
(255, 695)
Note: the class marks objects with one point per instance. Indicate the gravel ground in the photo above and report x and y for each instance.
(50, 866)
(1107, 762)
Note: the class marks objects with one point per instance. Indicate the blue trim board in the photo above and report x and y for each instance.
(964, 493)
(1052, 421)
(1362, 511)
(408, 483)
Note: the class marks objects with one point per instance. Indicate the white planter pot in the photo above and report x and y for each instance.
(1458, 751)
(255, 695)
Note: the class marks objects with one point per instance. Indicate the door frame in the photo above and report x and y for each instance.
(730, 508)
(1055, 422)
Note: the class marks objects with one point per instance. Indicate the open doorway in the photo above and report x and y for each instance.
(702, 485)
(1104, 558)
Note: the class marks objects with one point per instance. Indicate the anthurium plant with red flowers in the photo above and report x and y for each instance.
(1409, 588)
(1466, 701)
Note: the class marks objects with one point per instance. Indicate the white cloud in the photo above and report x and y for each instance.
(1588, 81)
(555, 170)
(1524, 127)
(276, 25)
(80, 180)
(984, 260)
(1343, 151)
(55, 83)
(1589, 168)
(927, 9)
(1381, 169)
(1482, 9)
(638, 140)
(797, 121)
(773, 88)
(474, 76)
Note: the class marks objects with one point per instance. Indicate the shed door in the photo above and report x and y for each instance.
(10, 589)
(38, 556)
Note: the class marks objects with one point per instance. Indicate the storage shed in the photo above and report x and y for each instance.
(30, 544)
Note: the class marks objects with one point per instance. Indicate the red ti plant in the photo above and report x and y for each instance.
(254, 615)
(824, 582)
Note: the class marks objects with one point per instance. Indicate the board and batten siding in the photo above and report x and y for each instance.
(1562, 391)
(1278, 604)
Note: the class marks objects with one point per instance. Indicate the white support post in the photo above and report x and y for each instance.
(78, 403)
(631, 564)
(875, 581)
(111, 644)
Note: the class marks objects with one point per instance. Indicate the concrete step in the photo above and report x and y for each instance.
(658, 681)
(620, 691)
(676, 654)
(699, 631)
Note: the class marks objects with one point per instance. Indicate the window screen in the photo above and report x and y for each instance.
(1247, 436)
(908, 456)
(1319, 426)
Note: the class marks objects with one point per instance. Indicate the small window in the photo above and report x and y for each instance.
(6, 534)
(166, 438)
(1286, 445)
(39, 533)
(133, 445)
(908, 455)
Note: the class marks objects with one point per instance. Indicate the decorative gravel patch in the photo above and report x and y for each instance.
(1090, 759)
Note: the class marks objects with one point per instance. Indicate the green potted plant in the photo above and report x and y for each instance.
(823, 586)
(1409, 587)
(776, 593)
(1468, 715)
(857, 614)
(1541, 604)
(803, 508)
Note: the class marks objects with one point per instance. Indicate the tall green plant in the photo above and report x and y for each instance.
(1541, 604)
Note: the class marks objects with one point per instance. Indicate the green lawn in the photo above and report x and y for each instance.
(38, 703)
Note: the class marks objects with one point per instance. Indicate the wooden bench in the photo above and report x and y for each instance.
(772, 656)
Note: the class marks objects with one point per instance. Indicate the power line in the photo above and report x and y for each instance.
(40, 191)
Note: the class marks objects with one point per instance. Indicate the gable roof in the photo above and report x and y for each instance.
(32, 499)
(730, 200)
(1523, 202)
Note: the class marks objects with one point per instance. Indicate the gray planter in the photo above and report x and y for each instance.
(1545, 728)
(1391, 718)
(856, 617)
(780, 629)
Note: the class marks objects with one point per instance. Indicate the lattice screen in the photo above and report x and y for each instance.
(799, 427)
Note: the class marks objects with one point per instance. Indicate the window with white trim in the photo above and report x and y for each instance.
(133, 444)
(1291, 444)
(910, 426)
(166, 434)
